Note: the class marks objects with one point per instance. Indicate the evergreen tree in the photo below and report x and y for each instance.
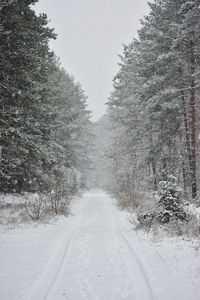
(154, 103)
(44, 124)
(24, 59)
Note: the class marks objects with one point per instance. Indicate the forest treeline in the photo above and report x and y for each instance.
(44, 121)
(154, 108)
(151, 131)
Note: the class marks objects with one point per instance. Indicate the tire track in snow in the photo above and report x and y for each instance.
(140, 265)
(135, 256)
(47, 281)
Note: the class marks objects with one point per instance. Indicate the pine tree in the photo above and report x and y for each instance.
(170, 203)
(24, 59)
(154, 103)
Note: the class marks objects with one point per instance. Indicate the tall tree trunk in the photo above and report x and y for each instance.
(153, 163)
(192, 119)
(186, 140)
(184, 177)
(186, 127)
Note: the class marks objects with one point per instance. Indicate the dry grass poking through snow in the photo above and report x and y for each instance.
(18, 209)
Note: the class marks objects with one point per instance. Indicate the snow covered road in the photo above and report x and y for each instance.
(94, 261)
(93, 255)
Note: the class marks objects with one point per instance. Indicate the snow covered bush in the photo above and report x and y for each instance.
(146, 220)
(169, 206)
(60, 202)
(179, 228)
(37, 206)
(170, 201)
(64, 185)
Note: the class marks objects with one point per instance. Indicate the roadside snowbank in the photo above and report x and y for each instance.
(173, 263)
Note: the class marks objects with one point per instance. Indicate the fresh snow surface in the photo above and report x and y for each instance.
(95, 254)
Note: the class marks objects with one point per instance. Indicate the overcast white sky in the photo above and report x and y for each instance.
(90, 37)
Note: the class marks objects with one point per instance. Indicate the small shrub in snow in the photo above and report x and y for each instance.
(179, 227)
(60, 202)
(170, 201)
(64, 184)
(10, 214)
(146, 220)
(37, 206)
(169, 206)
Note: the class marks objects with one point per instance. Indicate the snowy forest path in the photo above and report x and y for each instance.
(94, 261)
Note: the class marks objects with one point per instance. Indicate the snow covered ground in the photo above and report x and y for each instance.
(95, 255)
